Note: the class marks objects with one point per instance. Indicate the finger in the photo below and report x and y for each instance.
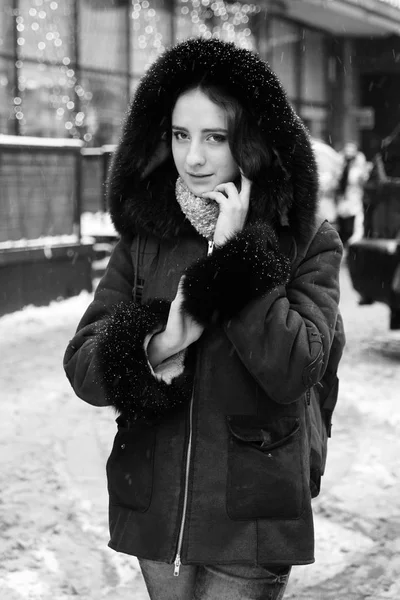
(228, 187)
(246, 183)
(230, 191)
(179, 293)
(219, 197)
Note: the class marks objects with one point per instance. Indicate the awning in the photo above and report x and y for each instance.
(346, 17)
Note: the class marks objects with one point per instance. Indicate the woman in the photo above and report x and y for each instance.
(214, 318)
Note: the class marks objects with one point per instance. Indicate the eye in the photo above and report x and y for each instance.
(180, 136)
(217, 138)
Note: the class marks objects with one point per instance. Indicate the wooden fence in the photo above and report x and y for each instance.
(39, 187)
(42, 255)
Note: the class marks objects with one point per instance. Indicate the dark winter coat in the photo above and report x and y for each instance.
(213, 460)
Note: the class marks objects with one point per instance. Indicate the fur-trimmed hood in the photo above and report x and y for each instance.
(141, 186)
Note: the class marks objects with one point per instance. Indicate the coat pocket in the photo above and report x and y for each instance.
(265, 474)
(130, 467)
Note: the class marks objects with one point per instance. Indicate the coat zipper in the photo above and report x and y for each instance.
(177, 561)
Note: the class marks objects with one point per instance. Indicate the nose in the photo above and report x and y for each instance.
(195, 156)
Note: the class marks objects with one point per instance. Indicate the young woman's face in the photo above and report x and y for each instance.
(200, 143)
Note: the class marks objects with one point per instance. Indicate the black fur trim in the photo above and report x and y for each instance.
(142, 205)
(141, 187)
(247, 267)
(129, 383)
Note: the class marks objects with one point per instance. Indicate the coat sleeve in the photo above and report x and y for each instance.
(106, 361)
(284, 339)
(281, 326)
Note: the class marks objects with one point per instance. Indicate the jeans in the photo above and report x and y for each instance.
(214, 582)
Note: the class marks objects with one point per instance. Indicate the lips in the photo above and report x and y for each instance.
(198, 176)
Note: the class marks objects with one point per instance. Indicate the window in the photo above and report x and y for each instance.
(45, 30)
(103, 35)
(284, 47)
(314, 83)
(6, 28)
(315, 67)
(193, 20)
(7, 74)
(151, 33)
(104, 105)
(229, 21)
(6, 96)
(47, 95)
(77, 62)
(103, 76)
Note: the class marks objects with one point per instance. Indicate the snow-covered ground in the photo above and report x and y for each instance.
(92, 224)
(98, 223)
(53, 449)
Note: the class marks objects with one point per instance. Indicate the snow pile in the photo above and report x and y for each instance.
(34, 320)
(97, 224)
(92, 225)
(40, 242)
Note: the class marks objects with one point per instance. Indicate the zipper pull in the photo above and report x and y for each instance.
(210, 247)
(177, 565)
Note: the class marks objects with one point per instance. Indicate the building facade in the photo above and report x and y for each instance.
(68, 68)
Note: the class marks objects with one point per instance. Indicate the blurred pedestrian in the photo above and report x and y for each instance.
(349, 194)
(329, 164)
(214, 318)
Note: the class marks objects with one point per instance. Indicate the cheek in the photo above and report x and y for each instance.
(228, 158)
(230, 166)
(177, 154)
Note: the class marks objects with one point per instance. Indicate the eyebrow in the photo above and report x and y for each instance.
(213, 130)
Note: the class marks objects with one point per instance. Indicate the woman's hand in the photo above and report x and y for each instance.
(181, 331)
(233, 208)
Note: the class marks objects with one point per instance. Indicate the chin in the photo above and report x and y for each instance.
(198, 191)
(200, 188)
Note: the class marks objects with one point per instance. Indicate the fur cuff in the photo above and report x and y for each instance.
(131, 385)
(247, 267)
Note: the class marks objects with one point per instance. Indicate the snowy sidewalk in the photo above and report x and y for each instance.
(54, 447)
(52, 470)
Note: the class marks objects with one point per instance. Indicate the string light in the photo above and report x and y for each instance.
(148, 40)
(225, 20)
(38, 27)
(207, 18)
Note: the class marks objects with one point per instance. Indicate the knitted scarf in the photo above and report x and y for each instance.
(201, 212)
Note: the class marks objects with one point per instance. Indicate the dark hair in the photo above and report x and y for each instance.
(245, 140)
(260, 163)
